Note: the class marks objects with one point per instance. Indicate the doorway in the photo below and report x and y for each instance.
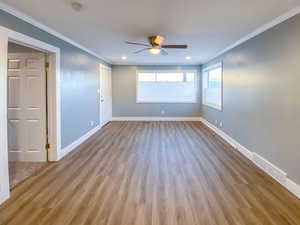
(105, 95)
(53, 97)
(26, 111)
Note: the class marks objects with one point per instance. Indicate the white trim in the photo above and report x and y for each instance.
(156, 118)
(258, 31)
(178, 102)
(105, 66)
(293, 187)
(228, 139)
(161, 70)
(214, 106)
(30, 20)
(215, 65)
(270, 168)
(101, 68)
(4, 177)
(274, 171)
(54, 106)
(54, 120)
(78, 142)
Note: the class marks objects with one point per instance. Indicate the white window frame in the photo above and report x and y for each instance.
(168, 71)
(207, 69)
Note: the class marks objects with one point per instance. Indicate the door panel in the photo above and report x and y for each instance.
(14, 136)
(33, 143)
(27, 107)
(14, 100)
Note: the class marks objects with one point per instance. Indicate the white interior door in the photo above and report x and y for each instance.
(27, 107)
(105, 95)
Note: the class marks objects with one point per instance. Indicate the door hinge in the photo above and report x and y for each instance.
(46, 65)
(47, 146)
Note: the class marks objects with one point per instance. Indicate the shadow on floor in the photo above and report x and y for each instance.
(19, 171)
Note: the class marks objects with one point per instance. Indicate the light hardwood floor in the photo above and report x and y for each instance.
(19, 171)
(155, 173)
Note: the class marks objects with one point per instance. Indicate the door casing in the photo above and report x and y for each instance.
(53, 93)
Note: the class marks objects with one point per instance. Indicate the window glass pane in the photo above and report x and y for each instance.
(146, 77)
(215, 78)
(166, 87)
(212, 87)
(190, 77)
(170, 77)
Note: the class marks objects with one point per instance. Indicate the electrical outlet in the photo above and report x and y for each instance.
(162, 112)
(91, 123)
(221, 124)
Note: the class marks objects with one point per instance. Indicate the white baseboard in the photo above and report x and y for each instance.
(293, 187)
(78, 142)
(156, 119)
(4, 195)
(229, 139)
(272, 170)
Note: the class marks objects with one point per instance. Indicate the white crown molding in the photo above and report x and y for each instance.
(258, 31)
(275, 172)
(49, 30)
(156, 118)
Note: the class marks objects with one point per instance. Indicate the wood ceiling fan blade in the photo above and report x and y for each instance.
(135, 43)
(174, 46)
(145, 49)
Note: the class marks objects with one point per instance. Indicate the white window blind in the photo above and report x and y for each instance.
(167, 87)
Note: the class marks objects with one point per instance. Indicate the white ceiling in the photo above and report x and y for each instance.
(207, 26)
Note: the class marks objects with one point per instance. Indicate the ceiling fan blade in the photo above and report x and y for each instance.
(135, 43)
(164, 52)
(174, 46)
(144, 49)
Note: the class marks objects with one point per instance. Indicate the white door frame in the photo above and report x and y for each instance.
(54, 121)
(101, 66)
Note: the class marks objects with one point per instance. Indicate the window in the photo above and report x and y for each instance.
(212, 78)
(166, 87)
(147, 77)
(169, 77)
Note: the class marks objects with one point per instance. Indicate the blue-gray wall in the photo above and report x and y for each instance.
(124, 95)
(261, 96)
(79, 81)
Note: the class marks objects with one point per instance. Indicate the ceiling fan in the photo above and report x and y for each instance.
(155, 46)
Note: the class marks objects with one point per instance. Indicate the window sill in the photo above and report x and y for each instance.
(217, 107)
(142, 102)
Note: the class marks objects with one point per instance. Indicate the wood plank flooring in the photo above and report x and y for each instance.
(19, 171)
(151, 173)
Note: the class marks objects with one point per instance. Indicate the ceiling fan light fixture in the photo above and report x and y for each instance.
(188, 57)
(124, 57)
(154, 51)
